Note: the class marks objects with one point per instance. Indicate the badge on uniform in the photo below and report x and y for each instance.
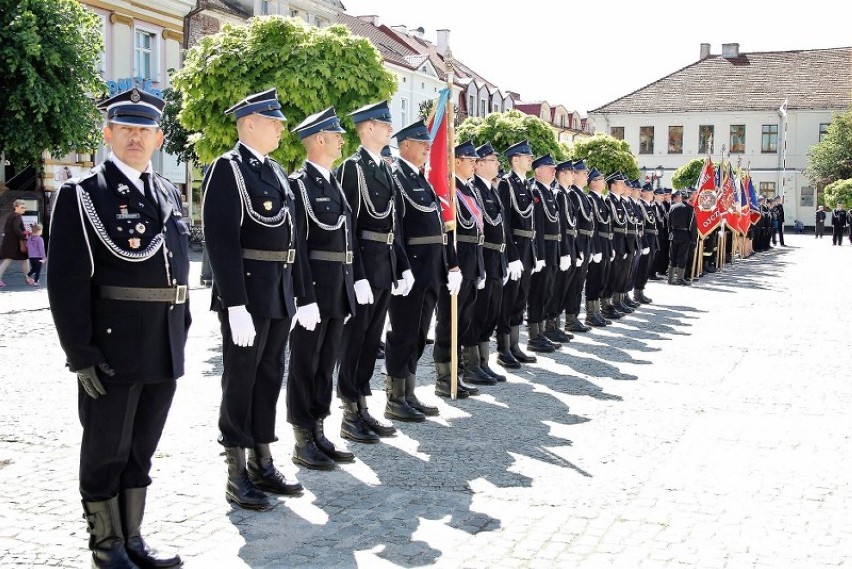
(140, 228)
(122, 189)
(318, 180)
(134, 242)
(123, 213)
(267, 205)
(254, 162)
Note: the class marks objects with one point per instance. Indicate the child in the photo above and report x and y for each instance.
(35, 248)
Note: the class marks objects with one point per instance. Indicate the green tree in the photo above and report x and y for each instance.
(175, 136)
(841, 190)
(687, 175)
(311, 68)
(831, 159)
(505, 129)
(607, 154)
(49, 54)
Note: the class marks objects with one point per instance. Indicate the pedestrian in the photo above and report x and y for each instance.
(119, 263)
(38, 257)
(327, 297)
(249, 217)
(819, 225)
(381, 268)
(839, 220)
(778, 220)
(14, 246)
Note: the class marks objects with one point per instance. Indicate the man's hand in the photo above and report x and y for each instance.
(564, 262)
(539, 265)
(242, 326)
(597, 257)
(363, 292)
(308, 316)
(408, 277)
(646, 250)
(88, 378)
(454, 281)
(515, 269)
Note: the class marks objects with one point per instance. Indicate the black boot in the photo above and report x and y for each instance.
(671, 275)
(639, 296)
(132, 502)
(327, 447)
(620, 304)
(484, 353)
(443, 383)
(680, 278)
(266, 477)
(573, 324)
(307, 453)
(397, 406)
(504, 354)
(413, 401)
(599, 312)
(519, 355)
(240, 490)
(592, 317)
(106, 538)
(353, 427)
(378, 427)
(554, 334)
(608, 310)
(625, 298)
(472, 372)
(536, 342)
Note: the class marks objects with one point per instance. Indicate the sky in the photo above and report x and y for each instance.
(584, 55)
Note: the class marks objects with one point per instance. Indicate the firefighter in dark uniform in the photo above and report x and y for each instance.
(661, 210)
(568, 254)
(249, 216)
(326, 296)
(381, 269)
(635, 227)
(548, 239)
(839, 221)
(488, 299)
(621, 255)
(517, 199)
(119, 264)
(602, 252)
(430, 256)
(682, 233)
(650, 236)
(584, 242)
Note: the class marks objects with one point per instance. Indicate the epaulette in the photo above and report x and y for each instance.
(300, 173)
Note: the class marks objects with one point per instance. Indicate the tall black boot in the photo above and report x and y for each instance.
(397, 406)
(266, 477)
(514, 338)
(680, 277)
(504, 354)
(240, 490)
(472, 372)
(592, 318)
(106, 538)
(328, 448)
(599, 311)
(378, 427)
(353, 427)
(554, 334)
(609, 310)
(620, 303)
(443, 384)
(625, 298)
(573, 324)
(484, 354)
(132, 502)
(639, 296)
(536, 342)
(671, 275)
(413, 401)
(307, 453)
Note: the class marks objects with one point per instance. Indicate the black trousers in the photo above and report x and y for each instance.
(410, 317)
(562, 282)
(617, 275)
(514, 303)
(251, 382)
(679, 252)
(645, 268)
(574, 295)
(313, 355)
(661, 262)
(819, 230)
(635, 258)
(465, 304)
(121, 431)
(35, 268)
(361, 337)
(541, 290)
(487, 310)
(598, 275)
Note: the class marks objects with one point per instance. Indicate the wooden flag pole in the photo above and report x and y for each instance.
(454, 299)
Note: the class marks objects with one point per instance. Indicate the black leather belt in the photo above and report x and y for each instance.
(334, 256)
(604, 235)
(172, 295)
(475, 239)
(651, 232)
(494, 246)
(524, 233)
(429, 240)
(287, 256)
(386, 238)
(586, 232)
(620, 230)
(552, 237)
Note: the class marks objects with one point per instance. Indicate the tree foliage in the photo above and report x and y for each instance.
(840, 190)
(831, 159)
(49, 54)
(687, 175)
(175, 136)
(311, 68)
(607, 154)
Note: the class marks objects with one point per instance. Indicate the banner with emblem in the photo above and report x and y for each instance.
(439, 157)
(707, 216)
(753, 206)
(727, 192)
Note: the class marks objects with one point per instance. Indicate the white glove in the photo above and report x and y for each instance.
(646, 250)
(363, 292)
(480, 284)
(399, 288)
(408, 277)
(564, 262)
(579, 261)
(597, 257)
(308, 316)
(242, 326)
(515, 269)
(454, 281)
(539, 265)
(612, 255)
(624, 256)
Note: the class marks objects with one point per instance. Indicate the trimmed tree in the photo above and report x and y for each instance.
(311, 68)
(831, 159)
(49, 53)
(607, 154)
(687, 175)
(841, 190)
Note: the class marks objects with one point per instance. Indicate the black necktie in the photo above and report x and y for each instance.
(149, 193)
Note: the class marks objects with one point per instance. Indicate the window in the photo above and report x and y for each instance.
(495, 107)
(737, 145)
(646, 140)
(823, 130)
(617, 132)
(675, 140)
(471, 106)
(705, 139)
(767, 189)
(483, 110)
(769, 138)
(145, 63)
(403, 108)
(294, 13)
(264, 7)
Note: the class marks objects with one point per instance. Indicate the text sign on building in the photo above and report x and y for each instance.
(127, 83)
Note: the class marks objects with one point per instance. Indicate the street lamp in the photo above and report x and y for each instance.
(655, 175)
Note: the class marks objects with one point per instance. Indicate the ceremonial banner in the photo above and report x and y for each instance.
(753, 205)
(707, 217)
(439, 165)
(726, 192)
(745, 218)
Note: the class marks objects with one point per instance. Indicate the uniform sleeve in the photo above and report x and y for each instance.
(402, 262)
(70, 289)
(303, 280)
(347, 175)
(503, 188)
(538, 222)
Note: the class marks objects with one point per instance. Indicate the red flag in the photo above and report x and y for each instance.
(707, 217)
(439, 166)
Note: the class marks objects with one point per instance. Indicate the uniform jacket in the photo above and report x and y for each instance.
(634, 225)
(651, 232)
(495, 229)
(568, 223)
(619, 224)
(581, 206)
(249, 205)
(838, 217)
(548, 231)
(369, 189)
(682, 226)
(420, 212)
(603, 224)
(104, 232)
(469, 255)
(326, 226)
(517, 200)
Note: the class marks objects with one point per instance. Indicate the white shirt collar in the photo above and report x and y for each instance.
(410, 165)
(257, 154)
(131, 173)
(484, 181)
(324, 171)
(376, 158)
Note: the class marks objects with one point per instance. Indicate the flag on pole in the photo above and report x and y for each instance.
(753, 206)
(783, 109)
(439, 165)
(745, 218)
(707, 218)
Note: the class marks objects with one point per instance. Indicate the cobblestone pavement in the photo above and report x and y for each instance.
(710, 429)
